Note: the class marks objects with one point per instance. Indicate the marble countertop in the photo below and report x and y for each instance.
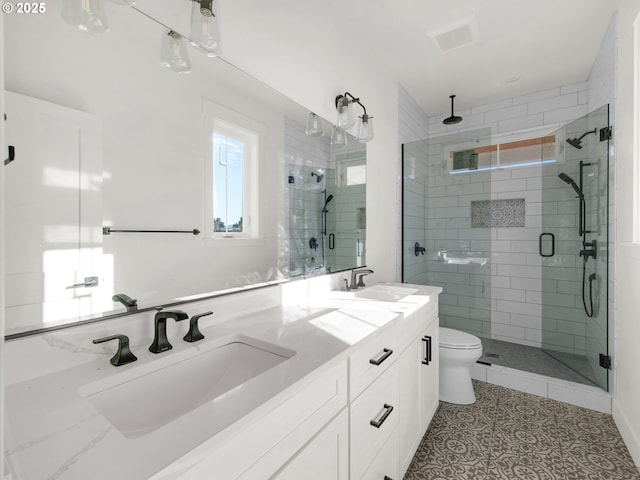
(53, 432)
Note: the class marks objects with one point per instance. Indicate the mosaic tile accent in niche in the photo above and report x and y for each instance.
(497, 213)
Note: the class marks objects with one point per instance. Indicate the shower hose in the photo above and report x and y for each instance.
(592, 277)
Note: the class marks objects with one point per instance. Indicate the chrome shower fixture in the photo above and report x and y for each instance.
(453, 119)
(577, 141)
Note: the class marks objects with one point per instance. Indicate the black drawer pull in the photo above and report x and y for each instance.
(386, 410)
(428, 350)
(387, 478)
(386, 353)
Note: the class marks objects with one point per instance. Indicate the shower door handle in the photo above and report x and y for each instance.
(553, 244)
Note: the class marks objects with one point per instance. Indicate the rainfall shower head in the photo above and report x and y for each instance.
(319, 176)
(567, 179)
(577, 142)
(453, 119)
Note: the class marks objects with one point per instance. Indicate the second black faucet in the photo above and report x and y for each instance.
(160, 341)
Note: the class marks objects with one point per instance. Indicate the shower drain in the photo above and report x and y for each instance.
(492, 355)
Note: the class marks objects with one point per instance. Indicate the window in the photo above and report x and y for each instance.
(518, 153)
(231, 168)
(353, 169)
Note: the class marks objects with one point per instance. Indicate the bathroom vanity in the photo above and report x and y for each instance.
(291, 381)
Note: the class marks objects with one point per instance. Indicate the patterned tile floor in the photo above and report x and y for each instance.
(510, 435)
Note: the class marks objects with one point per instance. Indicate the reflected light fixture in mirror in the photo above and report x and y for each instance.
(315, 125)
(174, 54)
(338, 137)
(86, 15)
(126, 3)
(205, 34)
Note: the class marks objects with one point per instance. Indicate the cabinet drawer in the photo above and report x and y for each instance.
(385, 463)
(371, 360)
(374, 416)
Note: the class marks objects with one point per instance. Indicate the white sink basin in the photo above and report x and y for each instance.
(140, 401)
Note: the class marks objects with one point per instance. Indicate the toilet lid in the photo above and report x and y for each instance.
(450, 338)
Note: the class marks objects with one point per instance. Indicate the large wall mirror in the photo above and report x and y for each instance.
(111, 148)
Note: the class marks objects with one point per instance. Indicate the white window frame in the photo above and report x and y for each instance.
(222, 120)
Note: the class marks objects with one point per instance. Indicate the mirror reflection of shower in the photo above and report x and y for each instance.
(324, 212)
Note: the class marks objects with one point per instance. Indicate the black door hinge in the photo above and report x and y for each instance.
(606, 133)
(605, 361)
(12, 155)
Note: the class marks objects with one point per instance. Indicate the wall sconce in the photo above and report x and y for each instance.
(86, 15)
(315, 125)
(346, 118)
(173, 52)
(205, 34)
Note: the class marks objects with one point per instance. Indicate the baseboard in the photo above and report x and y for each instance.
(629, 436)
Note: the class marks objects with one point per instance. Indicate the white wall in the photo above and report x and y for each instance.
(627, 332)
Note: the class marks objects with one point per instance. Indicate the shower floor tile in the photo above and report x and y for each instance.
(535, 360)
(508, 434)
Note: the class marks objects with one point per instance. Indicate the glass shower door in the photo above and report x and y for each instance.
(574, 248)
(446, 237)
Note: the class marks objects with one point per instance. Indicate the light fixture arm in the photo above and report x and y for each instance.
(352, 99)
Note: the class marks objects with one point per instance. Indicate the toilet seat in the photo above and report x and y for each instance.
(458, 340)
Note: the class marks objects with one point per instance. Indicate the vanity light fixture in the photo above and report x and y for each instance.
(315, 125)
(344, 105)
(126, 3)
(205, 34)
(86, 15)
(365, 132)
(173, 52)
(346, 118)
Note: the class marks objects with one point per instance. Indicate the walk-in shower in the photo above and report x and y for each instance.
(515, 229)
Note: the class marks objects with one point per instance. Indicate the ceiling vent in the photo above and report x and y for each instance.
(455, 35)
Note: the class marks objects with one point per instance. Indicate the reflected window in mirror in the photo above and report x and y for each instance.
(231, 162)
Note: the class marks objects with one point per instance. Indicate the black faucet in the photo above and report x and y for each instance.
(194, 334)
(160, 342)
(123, 354)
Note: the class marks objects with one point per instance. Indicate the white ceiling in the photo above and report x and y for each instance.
(542, 43)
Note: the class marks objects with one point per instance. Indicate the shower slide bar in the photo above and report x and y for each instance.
(109, 231)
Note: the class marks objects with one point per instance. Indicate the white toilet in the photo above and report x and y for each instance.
(458, 351)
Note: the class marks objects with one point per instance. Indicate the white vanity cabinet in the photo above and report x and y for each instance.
(418, 380)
